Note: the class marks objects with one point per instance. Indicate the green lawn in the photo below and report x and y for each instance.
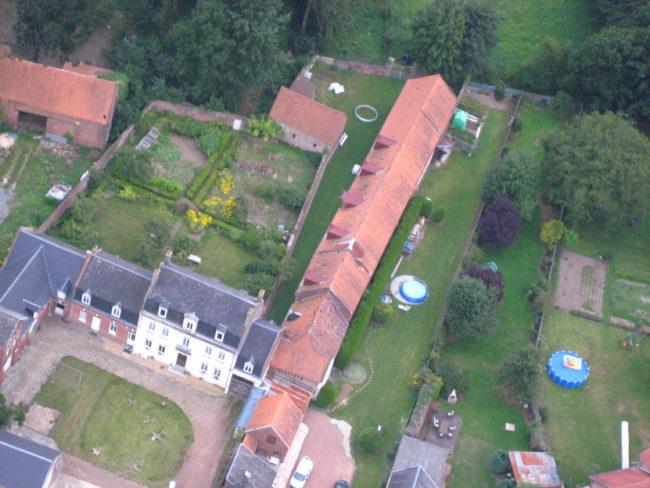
(525, 23)
(220, 258)
(374, 90)
(536, 123)
(108, 413)
(33, 172)
(583, 424)
(399, 347)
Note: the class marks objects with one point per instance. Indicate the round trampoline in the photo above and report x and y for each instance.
(567, 369)
(413, 291)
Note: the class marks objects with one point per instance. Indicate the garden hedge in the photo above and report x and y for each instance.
(585, 315)
(630, 275)
(359, 323)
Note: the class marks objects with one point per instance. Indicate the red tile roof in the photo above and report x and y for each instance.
(308, 116)
(644, 460)
(413, 127)
(279, 413)
(56, 90)
(623, 478)
(334, 232)
(307, 350)
(535, 468)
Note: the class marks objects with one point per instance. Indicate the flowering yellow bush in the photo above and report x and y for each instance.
(226, 184)
(197, 221)
(220, 205)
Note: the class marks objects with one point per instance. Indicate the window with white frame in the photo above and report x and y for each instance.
(219, 336)
(204, 368)
(152, 326)
(248, 367)
(85, 298)
(189, 322)
(161, 349)
(221, 356)
(162, 310)
(147, 343)
(217, 373)
(112, 329)
(83, 315)
(131, 335)
(208, 350)
(116, 311)
(165, 331)
(186, 342)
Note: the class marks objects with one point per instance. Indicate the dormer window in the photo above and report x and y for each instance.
(85, 298)
(189, 321)
(116, 311)
(219, 336)
(248, 366)
(162, 310)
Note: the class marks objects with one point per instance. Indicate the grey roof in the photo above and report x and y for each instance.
(111, 280)
(414, 452)
(24, 463)
(304, 86)
(414, 477)
(9, 321)
(37, 267)
(218, 306)
(258, 345)
(262, 474)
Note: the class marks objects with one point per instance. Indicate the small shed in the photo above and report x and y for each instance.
(26, 463)
(535, 468)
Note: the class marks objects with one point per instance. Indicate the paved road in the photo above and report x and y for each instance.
(207, 407)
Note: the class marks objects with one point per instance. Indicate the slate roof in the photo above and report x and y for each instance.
(414, 477)
(308, 116)
(24, 463)
(414, 452)
(279, 413)
(257, 347)
(37, 267)
(535, 468)
(9, 321)
(304, 86)
(112, 280)
(218, 306)
(262, 474)
(57, 90)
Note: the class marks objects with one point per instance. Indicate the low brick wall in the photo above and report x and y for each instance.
(197, 114)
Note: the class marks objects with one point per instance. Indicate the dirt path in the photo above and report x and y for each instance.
(208, 409)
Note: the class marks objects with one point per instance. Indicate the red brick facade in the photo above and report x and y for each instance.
(121, 332)
(269, 443)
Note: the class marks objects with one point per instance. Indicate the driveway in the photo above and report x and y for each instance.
(207, 408)
(329, 447)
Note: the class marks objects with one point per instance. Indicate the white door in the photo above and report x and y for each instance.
(8, 363)
(131, 338)
(96, 323)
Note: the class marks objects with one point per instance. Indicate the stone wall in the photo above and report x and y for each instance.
(197, 114)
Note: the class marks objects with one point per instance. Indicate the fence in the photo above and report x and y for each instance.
(389, 70)
(529, 96)
(83, 183)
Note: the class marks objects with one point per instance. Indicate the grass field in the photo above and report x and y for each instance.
(374, 90)
(399, 347)
(28, 174)
(584, 424)
(108, 413)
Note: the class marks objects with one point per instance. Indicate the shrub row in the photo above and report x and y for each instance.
(167, 186)
(359, 323)
(638, 321)
(585, 315)
(143, 187)
(461, 134)
(216, 162)
(628, 274)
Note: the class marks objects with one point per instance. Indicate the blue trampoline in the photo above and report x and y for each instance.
(567, 369)
(414, 291)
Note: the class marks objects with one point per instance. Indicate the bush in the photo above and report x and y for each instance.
(427, 208)
(499, 462)
(499, 225)
(520, 372)
(438, 215)
(499, 92)
(359, 322)
(290, 197)
(167, 186)
(585, 315)
(436, 388)
(382, 312)
(472, 309)
(506, 483)
(263, 127)
(267, 266)
(552, 232)
(255, 282)
(516, 125)
(452, 379)
(492, 279)
(475, 255)
(209, 143)
(369, 440)
(326, 396)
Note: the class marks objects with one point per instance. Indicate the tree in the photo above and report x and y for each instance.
(326, 396)
(128, 163)
(452, 379)
(11, 412)
(437, 40)
(492, 279)
(155, 241)
(226, 48)
(598, 168)
(499, 461)
(624, 12)
(382, 312)
(56, 26)
(552, 232)
(472, 309)
(499, 224)
(519, 373)
(610, 71)
(481, 23)
(545, 73)
(369, 440)
(255, 282)
(263, 127)
(517, 176)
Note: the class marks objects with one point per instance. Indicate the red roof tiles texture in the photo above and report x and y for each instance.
(56, 90)
(622, 478)
(279, 413)
(308, 116)
(535, 468)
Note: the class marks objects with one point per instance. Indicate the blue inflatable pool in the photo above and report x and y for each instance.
(414, 291)
(567, 369)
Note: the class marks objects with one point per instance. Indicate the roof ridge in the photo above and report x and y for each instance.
(327, 107)
(47, 269)
(137, 272)
(22, 271)
(25, 451)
